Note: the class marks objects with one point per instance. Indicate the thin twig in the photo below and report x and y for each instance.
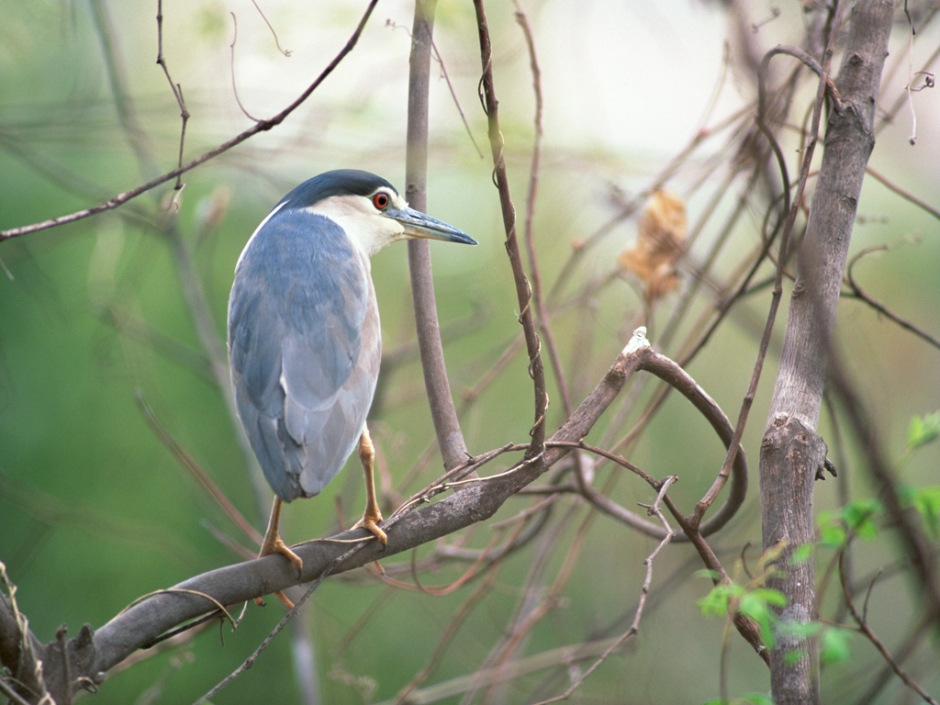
(860, 294)
(888, 117)
(261, 126)
(118, 83)
(539, 599)
(232, 68)
(523, 289)
(450, 86)
(529, 238)
(249, 662)
(186, 460)
(479, 567)
(746, 627)
(791, 213)
(8, 692)
(862, 622)
(72, 514)
(581, 247)
(909, 88)
(447, 636)
(906, 195)
(641, 603)
(562, 656)
(453, 95)
(28, 671)
(676, 377)
(175, 87)
(285, 52)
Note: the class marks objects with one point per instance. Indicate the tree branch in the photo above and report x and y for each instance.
(792, 452)
(91, 655)
(261, 126)
(523, 288)
(446, 424)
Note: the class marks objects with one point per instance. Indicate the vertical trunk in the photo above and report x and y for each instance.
(791, 451)
(444, 414)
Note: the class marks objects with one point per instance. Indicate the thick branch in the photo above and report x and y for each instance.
(476, 500)
(791, 451)
(848, 144)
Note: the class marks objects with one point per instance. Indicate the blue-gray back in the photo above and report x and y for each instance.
(304, 347)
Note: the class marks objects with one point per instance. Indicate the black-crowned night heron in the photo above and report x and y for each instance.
(303, 332)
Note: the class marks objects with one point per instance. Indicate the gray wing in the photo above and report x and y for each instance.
(304, 348)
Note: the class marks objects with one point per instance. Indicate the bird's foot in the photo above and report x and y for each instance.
(277, 545)
(370, 522)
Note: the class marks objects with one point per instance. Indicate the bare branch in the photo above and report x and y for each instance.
(860, 294)
(537, 296)
(187, 461)
(285, 52)
(450, 438)
(862, 622)
(175, 87)
(641, 603)
(475, 500)
(523, 288)
(232, 68)
(906, 195)
(676, 377)
(20, 650)
(261, 126)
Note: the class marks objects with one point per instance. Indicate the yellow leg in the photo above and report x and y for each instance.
(372, 515)
(272, 542)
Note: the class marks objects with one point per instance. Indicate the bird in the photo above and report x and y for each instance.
(304, 338)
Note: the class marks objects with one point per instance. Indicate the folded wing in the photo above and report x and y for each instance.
(304, 348)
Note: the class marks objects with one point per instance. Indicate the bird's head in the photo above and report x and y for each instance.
(369, 209)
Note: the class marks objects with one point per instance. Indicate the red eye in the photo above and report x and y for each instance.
(381, 200)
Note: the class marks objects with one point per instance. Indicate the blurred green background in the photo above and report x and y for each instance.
(95, 511)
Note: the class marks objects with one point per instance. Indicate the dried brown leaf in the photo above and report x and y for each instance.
(661, 235)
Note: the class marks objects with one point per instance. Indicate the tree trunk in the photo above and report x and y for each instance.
(791, 451)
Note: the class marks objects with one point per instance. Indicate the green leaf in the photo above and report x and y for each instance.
(927, 503)
(831, 531)
(833, 536)
(907, 494)
(755, 606)
(719, 597)
(802, 553)
(859, 516)
(834, 645)
(771, 596)
(923, 430)
(714, 603)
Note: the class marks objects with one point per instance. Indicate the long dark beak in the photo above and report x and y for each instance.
(418, 224)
